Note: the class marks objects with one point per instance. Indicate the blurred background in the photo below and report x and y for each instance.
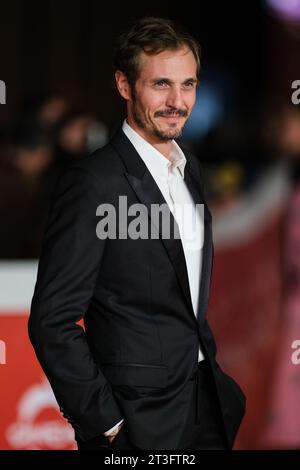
(60, 104)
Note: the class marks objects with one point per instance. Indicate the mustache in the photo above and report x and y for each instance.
(171, 112)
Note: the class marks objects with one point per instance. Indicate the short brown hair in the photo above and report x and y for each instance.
(152, 36)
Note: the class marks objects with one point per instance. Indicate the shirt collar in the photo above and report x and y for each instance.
(153, 159)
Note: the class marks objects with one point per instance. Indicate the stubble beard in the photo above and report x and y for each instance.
(156, 132)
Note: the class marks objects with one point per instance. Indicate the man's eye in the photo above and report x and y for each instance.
(161, 83)
(189, 84)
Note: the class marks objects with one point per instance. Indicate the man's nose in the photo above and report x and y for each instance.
(175, 98)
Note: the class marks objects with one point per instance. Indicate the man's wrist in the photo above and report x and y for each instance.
(113, 433)
(111, 430)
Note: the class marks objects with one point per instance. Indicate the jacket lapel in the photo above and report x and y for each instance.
(194, 186)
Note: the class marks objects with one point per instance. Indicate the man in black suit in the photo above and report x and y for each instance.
(143, 374)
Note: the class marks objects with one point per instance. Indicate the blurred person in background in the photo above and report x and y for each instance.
(77, 134)
(71, 139)
(24, 196)
(41, 115)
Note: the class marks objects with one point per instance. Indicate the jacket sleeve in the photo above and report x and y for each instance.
(67, 272)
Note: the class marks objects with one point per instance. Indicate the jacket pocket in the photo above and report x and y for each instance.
(132, 374)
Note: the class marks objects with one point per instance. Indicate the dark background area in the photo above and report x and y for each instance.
(66, 47)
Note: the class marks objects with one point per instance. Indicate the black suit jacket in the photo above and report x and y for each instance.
(141, 339)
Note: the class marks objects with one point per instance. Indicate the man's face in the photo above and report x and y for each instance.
(164, 94)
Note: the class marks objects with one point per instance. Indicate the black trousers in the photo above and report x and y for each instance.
(204, 429)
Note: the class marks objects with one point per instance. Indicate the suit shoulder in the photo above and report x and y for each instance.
(97, 172)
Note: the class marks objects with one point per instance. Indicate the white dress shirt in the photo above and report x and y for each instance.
(169, 177)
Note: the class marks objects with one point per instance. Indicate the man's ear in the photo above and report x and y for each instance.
(122, 85)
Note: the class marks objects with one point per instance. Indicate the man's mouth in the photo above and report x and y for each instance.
(175, 117)
(171, 114)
